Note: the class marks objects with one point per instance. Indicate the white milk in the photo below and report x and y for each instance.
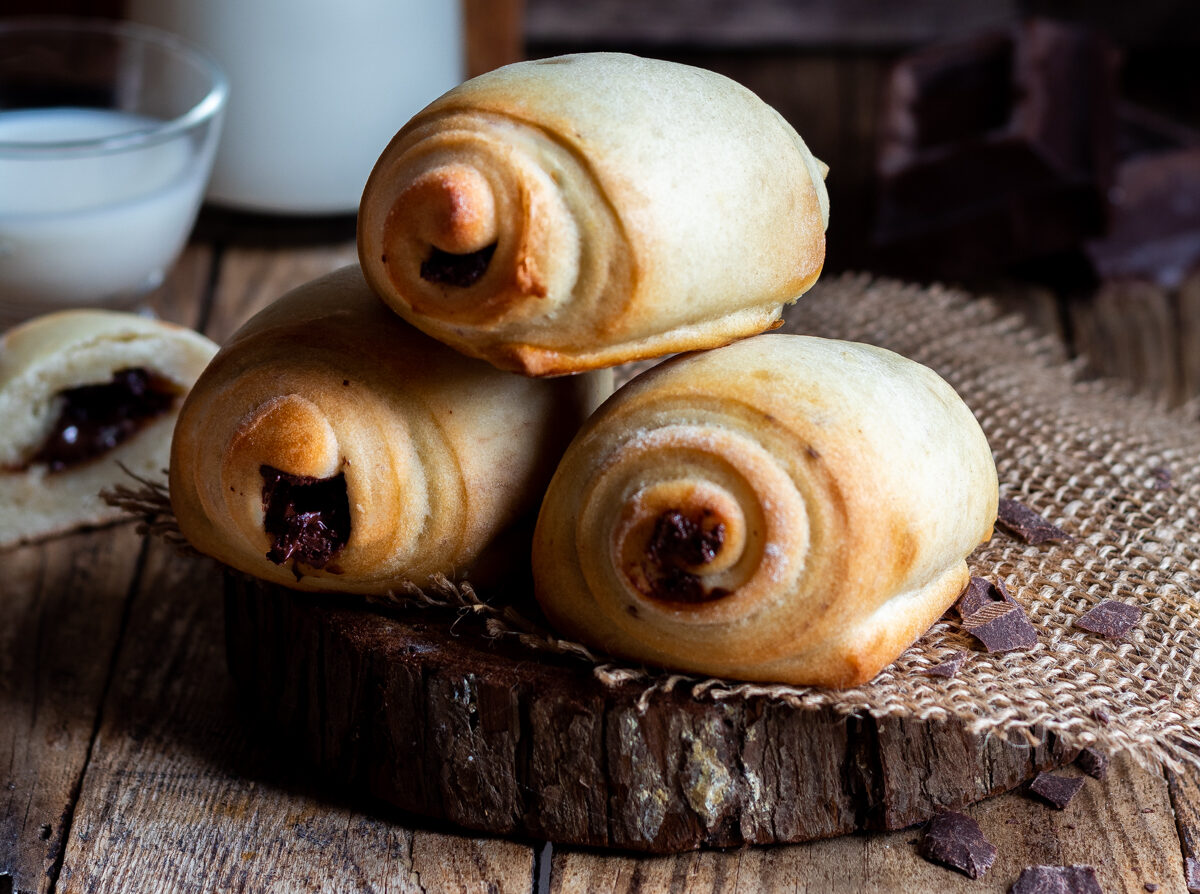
(77, 229)
(317, 88)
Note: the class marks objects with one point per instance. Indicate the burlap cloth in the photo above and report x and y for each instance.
(1115, 471)
(1112, 469)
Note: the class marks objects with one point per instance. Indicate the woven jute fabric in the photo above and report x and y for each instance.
(1111, 468)
(1114, 470)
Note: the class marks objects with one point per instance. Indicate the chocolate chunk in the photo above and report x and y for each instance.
(1055, 790)
(979, 593)
(1057, 880)
(1191, 875)
(1001, 627)
(1025, 524)
(955, 840)
(949, 667)
(997, 147)
(307, 519)
(1092, 762)
(460, 271)
(680, 542)
(96, 418)
(1110, 619)
(1150, 886)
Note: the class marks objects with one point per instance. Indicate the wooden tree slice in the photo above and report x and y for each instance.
(440, 720)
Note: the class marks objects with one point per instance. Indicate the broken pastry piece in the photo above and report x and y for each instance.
(583, 211)
(784, 509)
(83, 393)
(332, 446)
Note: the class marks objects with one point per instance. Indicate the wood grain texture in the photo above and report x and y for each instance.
(177, 793)
(62, 605)
(486, 735)
(1104, 827)
(251, 278)
(493, 33)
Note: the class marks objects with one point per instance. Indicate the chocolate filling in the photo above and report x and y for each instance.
(678, 542)
(307, 519)
(457, 270)
(96, 418)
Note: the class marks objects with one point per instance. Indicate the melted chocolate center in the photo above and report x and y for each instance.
(96, 418)
(677, 542)
(307, 519)
(457, 270)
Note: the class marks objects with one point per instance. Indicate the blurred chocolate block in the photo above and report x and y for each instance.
(997, 148)
(1154, 231)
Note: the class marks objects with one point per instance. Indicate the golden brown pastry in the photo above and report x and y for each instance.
(331, 446)
(83, 393)
(586, 210)
(785, 509)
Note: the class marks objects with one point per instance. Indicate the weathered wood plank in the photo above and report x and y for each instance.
(62, 606)
(1104, 826)
(180, 797)
(1184, 788)
(182, 297)
(492, 34)
(251, 278)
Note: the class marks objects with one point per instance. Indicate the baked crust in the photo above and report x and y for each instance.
(632, 208)
(785, 509)
(44, 357)
(441, 454)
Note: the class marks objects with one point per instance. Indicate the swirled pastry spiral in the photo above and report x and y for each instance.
(785, 509)
(331, 446)
(582, 211)
(86, 396)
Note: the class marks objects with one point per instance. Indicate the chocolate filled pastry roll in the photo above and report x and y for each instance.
(582, 211)
(784, 509)
(86, 396)
(331, 446)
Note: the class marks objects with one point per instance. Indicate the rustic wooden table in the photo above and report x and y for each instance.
(125, 765)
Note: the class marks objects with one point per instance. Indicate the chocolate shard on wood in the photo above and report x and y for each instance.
(1057, 880)
(994, 618)
(949, 667)
(1055, 790)
(1027, 525)
(955, 840)
(1110, 619)
(998, 147)
(1092, 762)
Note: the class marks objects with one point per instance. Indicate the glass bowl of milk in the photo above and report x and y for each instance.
(107, 136)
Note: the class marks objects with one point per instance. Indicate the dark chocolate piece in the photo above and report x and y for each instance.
(955, 840)
(981, 592)
(949, 667)
(1092, 762)
(1057, 880)
(1150, 886)
(1057, 791)
(1000, 624)
(677, 543)
(307, 519)
(96, 418)
(1155, 229)
(1025, 524)
(1191, 875)
(1110, 619)
(460, 271)
(996, 148)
